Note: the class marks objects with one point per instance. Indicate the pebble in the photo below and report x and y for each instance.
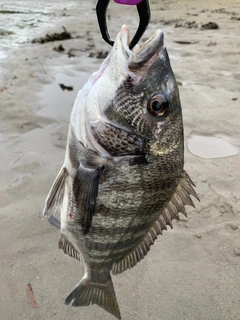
(237, 252)
(198, 235)
(232, 226)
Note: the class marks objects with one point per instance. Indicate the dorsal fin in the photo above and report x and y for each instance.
(55, 195)
(68, 248)
(180, 198)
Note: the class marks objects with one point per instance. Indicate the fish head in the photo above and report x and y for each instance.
(133, 105)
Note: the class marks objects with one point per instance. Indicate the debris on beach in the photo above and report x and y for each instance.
(185, 42)
(59, 48)
(4, 32)
(65, 35)
(99, 54)
(64, 87)
(31, 297)
(186, 24)
(235, 18)
(210, 25)
(212, 43)
(180, 23)
(3, 89)
(73, 52)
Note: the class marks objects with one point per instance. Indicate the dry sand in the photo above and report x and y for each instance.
(192, 271)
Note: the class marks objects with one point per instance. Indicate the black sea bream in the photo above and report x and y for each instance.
(122, 181)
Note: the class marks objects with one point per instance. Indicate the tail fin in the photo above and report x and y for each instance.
(86, 293)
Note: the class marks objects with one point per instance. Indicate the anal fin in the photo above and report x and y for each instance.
(68, 248)
(180, 198)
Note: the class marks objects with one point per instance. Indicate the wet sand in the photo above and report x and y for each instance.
(192, 271)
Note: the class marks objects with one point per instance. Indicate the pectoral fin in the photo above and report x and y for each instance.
(85, 189)
(180, 198)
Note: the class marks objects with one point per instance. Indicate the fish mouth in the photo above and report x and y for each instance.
(139, 59)
(142, 53)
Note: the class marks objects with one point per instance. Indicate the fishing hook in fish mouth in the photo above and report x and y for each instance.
(144, 18)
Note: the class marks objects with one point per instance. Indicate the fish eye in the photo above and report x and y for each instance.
(158, 105)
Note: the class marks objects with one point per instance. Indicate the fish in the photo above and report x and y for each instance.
(123, 179)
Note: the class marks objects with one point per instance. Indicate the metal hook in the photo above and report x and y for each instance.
(144, 18)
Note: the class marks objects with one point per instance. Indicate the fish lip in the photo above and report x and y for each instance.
(140, 54)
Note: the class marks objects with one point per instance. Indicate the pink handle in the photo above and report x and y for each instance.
(129, 2)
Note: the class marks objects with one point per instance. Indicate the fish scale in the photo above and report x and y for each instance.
(105, 138)
(122, 182)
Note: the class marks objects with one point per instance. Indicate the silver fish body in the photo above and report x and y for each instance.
(122, 181)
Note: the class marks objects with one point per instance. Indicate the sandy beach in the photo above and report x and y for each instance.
(193, 271)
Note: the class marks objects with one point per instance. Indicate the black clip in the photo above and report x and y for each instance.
(144, 18)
